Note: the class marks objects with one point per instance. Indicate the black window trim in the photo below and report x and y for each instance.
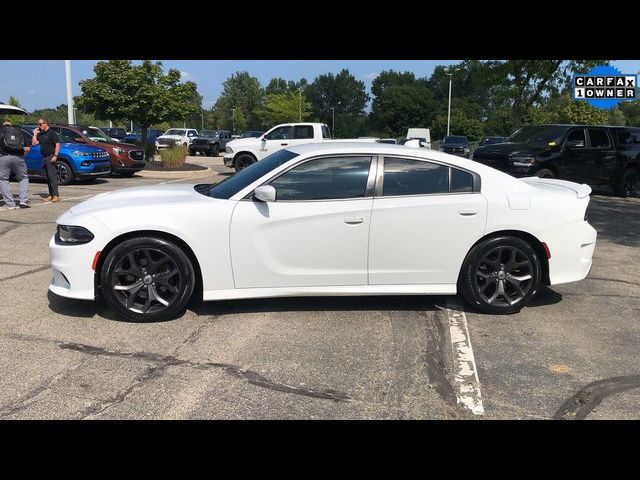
(369, 189)
(477, 183)
(606, 131)
(575, 129)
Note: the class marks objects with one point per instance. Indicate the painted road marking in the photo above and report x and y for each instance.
(466, 382)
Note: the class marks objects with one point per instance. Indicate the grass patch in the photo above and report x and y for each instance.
(173, 157)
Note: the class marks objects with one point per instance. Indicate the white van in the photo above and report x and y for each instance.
(422, 134)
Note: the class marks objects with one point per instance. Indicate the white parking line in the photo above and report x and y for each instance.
(467, 384)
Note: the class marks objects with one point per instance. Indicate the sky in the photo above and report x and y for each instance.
(41, 83)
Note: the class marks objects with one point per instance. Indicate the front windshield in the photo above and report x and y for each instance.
(456, 140)
(539, 134)
(233, 184)
(97, 135)
(175, 132)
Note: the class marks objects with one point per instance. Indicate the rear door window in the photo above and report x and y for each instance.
(599, 138)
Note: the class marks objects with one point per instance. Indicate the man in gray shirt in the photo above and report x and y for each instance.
(13, 148)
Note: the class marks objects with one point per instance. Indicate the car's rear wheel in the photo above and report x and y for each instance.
(147, 279)
(243, 161)
(545, 173)
(215, 150)
(192, 151)
(64, 172)
(629, 184)
(500, 275)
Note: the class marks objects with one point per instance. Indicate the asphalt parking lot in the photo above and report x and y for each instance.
(573, 354)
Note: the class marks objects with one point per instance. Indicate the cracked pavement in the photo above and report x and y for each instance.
(572, 355)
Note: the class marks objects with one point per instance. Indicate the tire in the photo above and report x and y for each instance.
(215, 150)
(64, 172)
(192, 152)
(629, 183)
(500, 275)
(147, 267)
(546, 173)
(243, 161)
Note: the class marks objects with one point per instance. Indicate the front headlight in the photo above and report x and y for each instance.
(78, 153)
(72, 235)
(228, 150)
(523, 161)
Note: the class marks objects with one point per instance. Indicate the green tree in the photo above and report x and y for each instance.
(243, 93)
(616, 117)
(631, 112)
(341, 92)
(285, 107)
(579, 111)
(123, 91)
(14, 102)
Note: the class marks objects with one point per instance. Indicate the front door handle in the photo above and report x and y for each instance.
(468, 213)
(353, 220)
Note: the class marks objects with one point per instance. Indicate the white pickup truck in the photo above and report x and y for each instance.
(242, 152)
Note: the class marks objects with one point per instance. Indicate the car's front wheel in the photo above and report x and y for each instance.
(63, 172)
(244, 161)
(629, 184)
(147, 279)
(500, 275)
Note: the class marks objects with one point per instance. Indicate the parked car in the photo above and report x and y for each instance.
(491, 141)
(126, 159)
(250, 134)
(135, 137)
(176, 136)
(422, 134)
(119, 134)
(242, 152)
(76, 161)
(210, 142)
(348, 218)
(596, 155)
(456, 145)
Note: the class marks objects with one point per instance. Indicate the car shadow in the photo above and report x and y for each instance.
(79, 308)
(616, 219)
(545, 296)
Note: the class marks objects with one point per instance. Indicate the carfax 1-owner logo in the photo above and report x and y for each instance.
(605, 87)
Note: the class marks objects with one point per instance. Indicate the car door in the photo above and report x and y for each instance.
(574, 163)
(602, 157)
(276, 140)
(426, 216)
(302, 134)
(315, 233)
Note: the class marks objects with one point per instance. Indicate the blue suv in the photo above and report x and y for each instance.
(76, 161)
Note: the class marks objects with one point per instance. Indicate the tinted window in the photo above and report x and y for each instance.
(599, 138)
(324, 179)
(452, 140)
(628, 137)
(175, 132)
(233, 184)
(414, 177)
(461, 181)
(576, 136)
(539, 134)
(303, 131)
(325, 132)
(282, 133)
(68, 136)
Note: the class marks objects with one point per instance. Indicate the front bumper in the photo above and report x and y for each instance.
(228, 159)
(71, 272)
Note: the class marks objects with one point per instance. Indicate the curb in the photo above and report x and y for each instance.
(176, 174)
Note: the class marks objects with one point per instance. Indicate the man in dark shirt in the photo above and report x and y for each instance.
(49, 149)
(13, 147)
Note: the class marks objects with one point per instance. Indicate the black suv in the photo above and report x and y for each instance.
(595, 155)
(210, 142)
(456, 145)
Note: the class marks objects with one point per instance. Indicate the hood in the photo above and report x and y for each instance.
(127, 198)
(510, 148)
(80, 147)
(171, 137)
(245, 142)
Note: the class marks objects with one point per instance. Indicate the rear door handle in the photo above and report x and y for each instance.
(353, 220)
(468, 213)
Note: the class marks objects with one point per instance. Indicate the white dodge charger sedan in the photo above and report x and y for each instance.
(327, 219)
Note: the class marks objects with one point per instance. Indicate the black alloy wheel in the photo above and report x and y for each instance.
(243, 162)
(147, 279)
(500, 275)
(63, 172)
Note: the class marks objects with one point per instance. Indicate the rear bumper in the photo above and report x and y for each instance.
(571, 248)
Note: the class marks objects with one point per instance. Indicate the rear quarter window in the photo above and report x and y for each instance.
(628, 138)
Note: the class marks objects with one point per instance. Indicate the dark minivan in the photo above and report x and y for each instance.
(595, 155)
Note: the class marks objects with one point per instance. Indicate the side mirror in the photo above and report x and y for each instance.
(264, 142)
(79, 140)
(265, 193)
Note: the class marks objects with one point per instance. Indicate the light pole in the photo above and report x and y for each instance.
(233, 119)
(67, 68)
(333, 122)
(202, 113)
(75, 115)
(300, 102)
(450, 75)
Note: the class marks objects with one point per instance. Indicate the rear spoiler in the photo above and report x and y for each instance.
(581, 190)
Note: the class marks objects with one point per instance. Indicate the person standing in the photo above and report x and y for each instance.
(13, 149)
(49, 149)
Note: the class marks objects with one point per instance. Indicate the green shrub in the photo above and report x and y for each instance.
(174, 156)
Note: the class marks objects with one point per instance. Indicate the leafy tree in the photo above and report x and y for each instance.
(579, 111)
(461, 124)
(341, 92)
(243, 93)
(277, 86)
(616, 117)
(285, 107)
(631, 112)
(143, 93)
